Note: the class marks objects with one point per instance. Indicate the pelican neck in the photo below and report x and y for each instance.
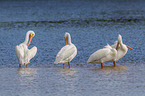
(69, 40)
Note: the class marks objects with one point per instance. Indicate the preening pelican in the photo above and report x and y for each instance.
(67, 53)
(23, 54)
(107, 54)
(121, 48)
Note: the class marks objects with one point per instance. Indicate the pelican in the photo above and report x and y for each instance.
(107, 54)
(67, 53)
(121, 48)
(24, 54)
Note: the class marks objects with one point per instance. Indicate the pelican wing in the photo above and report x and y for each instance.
(65, 53)
(19, 53)
(30, 54)
(98, 55)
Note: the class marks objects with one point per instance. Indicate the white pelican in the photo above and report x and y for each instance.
(107, 54)
(23, 54)
(121, 48)
(67, 53)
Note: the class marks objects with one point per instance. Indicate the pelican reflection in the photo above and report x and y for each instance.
(109, 69)
(27, 81)
(26, 71)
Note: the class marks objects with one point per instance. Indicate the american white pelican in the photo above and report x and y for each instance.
(107, 54)
(121, 48)
(67, 53)
(23, 54)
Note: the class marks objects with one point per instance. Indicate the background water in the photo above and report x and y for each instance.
(92, 24)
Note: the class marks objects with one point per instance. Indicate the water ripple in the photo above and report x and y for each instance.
(79, 21)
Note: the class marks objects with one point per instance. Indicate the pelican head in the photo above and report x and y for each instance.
(120, 41)
(30, 34)
(119, 38)
(67, 38)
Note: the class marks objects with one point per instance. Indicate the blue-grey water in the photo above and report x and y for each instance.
(92, 24)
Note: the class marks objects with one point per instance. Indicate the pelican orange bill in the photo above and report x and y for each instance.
(30, 38)
(129, 47)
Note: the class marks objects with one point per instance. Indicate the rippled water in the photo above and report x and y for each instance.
(92, 24)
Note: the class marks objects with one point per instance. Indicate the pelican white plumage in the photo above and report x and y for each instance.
(121, 48)
(67, 53)
(107, 54)
(23, 54)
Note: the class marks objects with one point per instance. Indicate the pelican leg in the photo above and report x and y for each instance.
(114, 62)
(101, 65)
(63, 66)
(19, 65)
(69, 64)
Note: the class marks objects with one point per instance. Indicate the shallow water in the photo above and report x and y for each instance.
(92, 24)
(122, 81)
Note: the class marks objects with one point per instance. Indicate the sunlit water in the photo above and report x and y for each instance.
(92, 24)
